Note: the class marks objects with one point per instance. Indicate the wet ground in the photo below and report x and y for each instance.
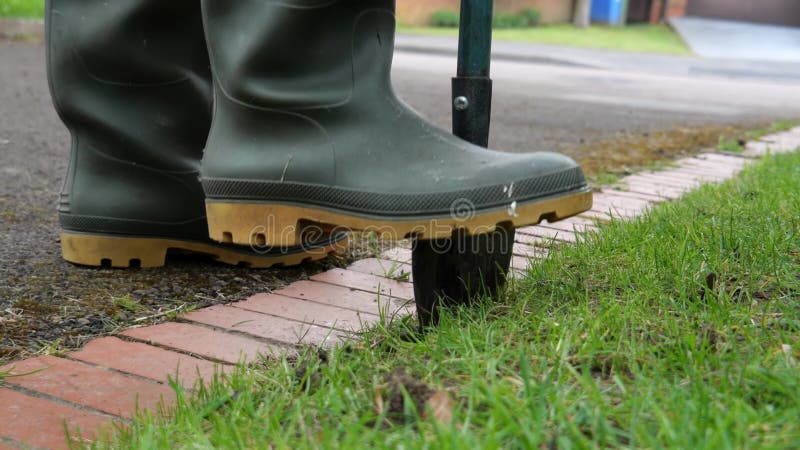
(46, 303)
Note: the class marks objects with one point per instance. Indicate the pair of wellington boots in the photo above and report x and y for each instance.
(257, 131)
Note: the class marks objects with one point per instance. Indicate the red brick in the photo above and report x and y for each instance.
(773, 144)
(733, 161)
(397, 254)
(308, 312)
(630, 198)
(757, 149)
(344, 297)
(699, 167)
(527, 239)
(382, 268)
(679, 174)
(594, 215)
(147, 361)
(647, 197)
(622, 203)
(706, 164)
(665, 175)
(367, 282)
(633, 204)
(615, 212)
(548, 233)
(273, 328)
(714, 175)
(574, 227)
(669, 174)
(674, 178)
(702, 159)
(606, 203)
(677, 183)
(649, 189)
(91, 386)
(632, 181)
(37, 422)
(708, 177)
(709, 167)
(701, 176)
(571, 220)
(205, 342)
(529, 251)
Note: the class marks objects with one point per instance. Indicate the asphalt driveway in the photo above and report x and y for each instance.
(714, 38)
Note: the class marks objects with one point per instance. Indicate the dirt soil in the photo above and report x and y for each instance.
(631, 151)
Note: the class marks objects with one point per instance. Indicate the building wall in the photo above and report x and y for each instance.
(780, 12)
(675, 8)
(418, 12)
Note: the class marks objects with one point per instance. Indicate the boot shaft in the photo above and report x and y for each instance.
(135, 72)
(299, 54)
(131, 81)
(286, 75)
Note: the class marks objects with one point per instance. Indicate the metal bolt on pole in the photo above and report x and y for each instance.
(455, 271)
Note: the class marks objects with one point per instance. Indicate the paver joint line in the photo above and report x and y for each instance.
(88, 385)
(237, 333)
(58, 401)
(207, 342)
(147, 361)
(37, 422)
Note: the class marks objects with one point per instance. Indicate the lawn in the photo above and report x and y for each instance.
(678, 330)
(22, 8)
(634, 38)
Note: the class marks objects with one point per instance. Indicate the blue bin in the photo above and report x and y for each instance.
(607, 11)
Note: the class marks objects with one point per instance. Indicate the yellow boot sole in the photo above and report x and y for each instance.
(246, 223)
(119, 251)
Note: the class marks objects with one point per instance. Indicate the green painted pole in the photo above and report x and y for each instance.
(472, 87)
(475, 38)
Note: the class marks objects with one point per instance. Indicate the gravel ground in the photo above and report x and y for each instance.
(47, 304)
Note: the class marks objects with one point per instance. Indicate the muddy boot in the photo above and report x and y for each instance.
(131, 81)
(307, 131)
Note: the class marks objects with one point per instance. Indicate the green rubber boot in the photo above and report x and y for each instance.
(131, 81)
(307, 131)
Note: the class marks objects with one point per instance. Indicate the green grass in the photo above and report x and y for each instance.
(126, 303)
(677, 330)
(22, 8)
(634, 38)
